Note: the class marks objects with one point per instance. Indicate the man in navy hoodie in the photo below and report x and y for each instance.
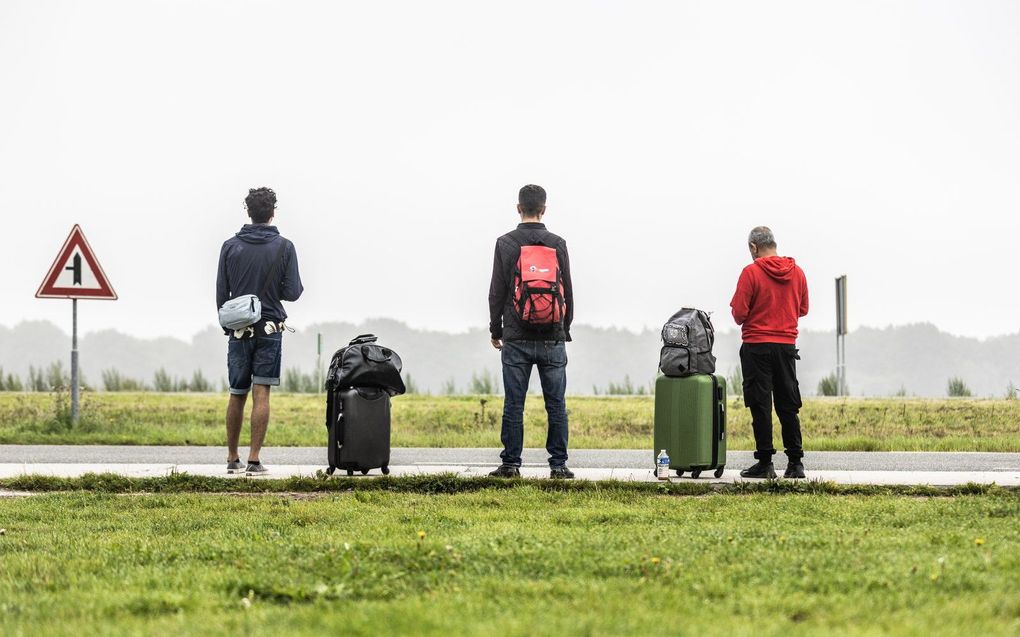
(257, 260)
(771, 297)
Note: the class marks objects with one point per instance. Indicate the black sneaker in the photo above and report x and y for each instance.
(235, 466)
(759, 470)
(256, 469)
(794, 470)
(505, 471)
(561, 473)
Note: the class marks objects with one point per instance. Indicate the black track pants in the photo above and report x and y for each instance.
(770, 370)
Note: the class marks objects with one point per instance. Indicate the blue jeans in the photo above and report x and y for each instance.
(518, 358)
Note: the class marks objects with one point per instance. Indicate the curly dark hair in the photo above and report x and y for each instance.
(261, 204)
(532, 199)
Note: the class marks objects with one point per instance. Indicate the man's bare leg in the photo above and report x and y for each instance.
(259, 420)
(235, 415)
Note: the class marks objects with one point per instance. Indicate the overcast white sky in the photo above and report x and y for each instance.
(877, 139)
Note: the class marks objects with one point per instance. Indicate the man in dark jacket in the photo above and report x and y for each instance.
(256, 260)
(771, 297)
(524, 344)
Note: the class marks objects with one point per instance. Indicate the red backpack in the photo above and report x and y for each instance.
(538, 286)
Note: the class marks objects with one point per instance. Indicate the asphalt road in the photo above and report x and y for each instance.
(579, 458)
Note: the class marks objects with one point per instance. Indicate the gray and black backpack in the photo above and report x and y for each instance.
(687, 340)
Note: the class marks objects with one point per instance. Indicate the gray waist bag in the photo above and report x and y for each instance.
(687, 340)
(239, 313)
(245, 310)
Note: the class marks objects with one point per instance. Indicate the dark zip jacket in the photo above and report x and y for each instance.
(503, 321)
(245, 261)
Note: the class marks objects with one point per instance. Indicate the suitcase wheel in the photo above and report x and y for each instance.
(330, 470)
(679, 473)
(364, 472)
(350, 472)
(386, 471)
(718, 472)
(695, 473)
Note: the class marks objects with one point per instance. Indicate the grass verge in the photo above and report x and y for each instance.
(522, 559)
(450, 483)
(474, 421)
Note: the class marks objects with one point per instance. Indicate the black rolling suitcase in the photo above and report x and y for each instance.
(359, 432)
(362, 377)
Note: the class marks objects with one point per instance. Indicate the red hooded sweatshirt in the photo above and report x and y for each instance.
(771, 296)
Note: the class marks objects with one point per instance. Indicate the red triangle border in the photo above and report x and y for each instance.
(48, 289)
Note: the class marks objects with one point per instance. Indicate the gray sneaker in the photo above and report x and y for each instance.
(235, 467)
(256, 469)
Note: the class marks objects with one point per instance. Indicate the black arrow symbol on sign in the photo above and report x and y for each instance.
(76, 268)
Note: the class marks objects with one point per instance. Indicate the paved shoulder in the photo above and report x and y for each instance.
(579, 458)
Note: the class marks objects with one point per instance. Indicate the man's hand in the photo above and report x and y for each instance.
(497, 343)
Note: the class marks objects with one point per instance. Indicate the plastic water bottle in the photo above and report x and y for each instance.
(662, 465)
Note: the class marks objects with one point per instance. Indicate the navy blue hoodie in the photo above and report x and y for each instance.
(245, 261)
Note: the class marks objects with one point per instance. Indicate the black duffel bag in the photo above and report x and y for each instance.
(364, 363)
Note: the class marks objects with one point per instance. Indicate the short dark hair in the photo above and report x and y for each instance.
(532, 199)
(261, 204)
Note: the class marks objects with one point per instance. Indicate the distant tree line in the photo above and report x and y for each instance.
(39, 379)
(623, 388)
(56, 377)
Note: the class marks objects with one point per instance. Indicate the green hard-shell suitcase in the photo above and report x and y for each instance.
(690, 422)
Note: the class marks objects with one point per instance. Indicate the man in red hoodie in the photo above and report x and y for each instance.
(771, 296)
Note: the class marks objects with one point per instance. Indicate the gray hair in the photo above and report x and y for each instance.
(762, 237)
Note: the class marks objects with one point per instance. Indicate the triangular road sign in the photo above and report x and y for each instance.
(76, 274)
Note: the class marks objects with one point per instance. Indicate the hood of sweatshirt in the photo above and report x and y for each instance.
(779, 268)
(257, 233)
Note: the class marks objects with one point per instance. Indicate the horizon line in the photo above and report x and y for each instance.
(309, 329)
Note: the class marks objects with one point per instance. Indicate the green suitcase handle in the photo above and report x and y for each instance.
(721, 404)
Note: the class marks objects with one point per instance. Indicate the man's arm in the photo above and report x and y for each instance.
(497, 295)
(291, 288)
(568, 289)
(222, 285)
(741, 303)
(803, 294)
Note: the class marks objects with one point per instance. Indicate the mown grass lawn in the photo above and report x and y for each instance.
(521, 560)
(474, 421)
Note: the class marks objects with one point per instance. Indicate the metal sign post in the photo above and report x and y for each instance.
(841, 332)
(318, 365)
(75, 385)
(75, 274)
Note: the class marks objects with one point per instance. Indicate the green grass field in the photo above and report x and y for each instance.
(522, 559)
(472, 421)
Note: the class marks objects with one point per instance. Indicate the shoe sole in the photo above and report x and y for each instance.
(768, 477)
(234, 471)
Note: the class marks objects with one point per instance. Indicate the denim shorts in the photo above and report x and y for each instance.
(254, 360)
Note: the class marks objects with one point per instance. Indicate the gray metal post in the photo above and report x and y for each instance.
(839, 385)
(843, 374)
(841, 332)
(318, 365)
(74, 361)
